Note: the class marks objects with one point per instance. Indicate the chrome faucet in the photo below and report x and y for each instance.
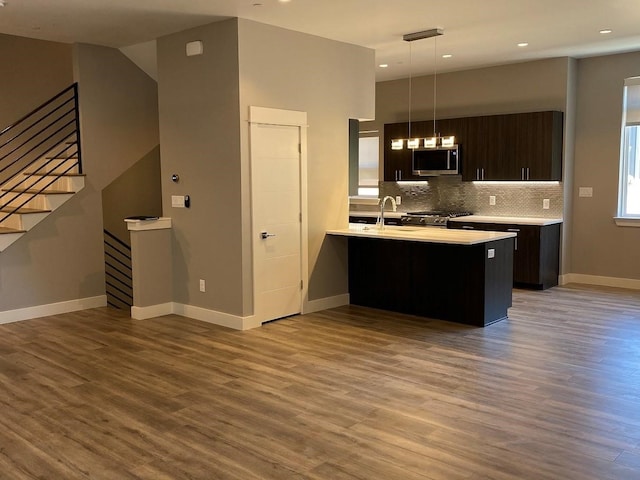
(382, 204)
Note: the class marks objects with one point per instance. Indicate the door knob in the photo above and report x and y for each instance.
(265, 235)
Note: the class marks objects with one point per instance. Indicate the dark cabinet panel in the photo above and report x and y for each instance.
(374, 279)
(539, 146)
(521, 146)
(459, 283)
(476, 155)
(536, 256)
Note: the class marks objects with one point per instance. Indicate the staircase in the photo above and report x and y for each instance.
(40, 165)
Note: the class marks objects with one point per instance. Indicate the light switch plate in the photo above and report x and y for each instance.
(585, 192)
(492, 199)
(491, 253)
(398, 200)
(177, 201)
(194, 48)
(545, 204)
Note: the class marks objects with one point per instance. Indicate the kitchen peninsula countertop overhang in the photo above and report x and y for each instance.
(422, 234)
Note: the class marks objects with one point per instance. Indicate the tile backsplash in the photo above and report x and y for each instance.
(521, 199)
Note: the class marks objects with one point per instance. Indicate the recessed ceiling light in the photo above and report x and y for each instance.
(604, 31)
(447, 55)
(523, 44)
(383, 65)
(284, 1)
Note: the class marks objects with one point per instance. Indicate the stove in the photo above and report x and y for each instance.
(430, 219)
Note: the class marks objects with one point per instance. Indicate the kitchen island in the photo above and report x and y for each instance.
(455, 275)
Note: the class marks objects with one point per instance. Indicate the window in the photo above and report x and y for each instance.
(368, 161)
(629, 189)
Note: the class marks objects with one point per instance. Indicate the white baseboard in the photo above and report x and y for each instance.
(52, 309)
(153, 311)
(217, 318)
(326, 303)
(630, 283)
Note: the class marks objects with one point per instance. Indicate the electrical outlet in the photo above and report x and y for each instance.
(492, 199)
(203, 286)
(398, 200)
(545, 204)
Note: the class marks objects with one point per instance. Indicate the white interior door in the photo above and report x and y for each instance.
(276, 198)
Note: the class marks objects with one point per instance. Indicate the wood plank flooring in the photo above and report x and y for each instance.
(350, 393)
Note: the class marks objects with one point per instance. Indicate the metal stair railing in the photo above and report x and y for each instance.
(49, 134)
(118, 273)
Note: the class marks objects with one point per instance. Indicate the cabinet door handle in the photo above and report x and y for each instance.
(467, 227)
(513, 229)
(522, 173)
(482, 173)
(528, 173)
(477, 174)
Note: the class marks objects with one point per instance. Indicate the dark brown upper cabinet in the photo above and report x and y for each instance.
(521, 146)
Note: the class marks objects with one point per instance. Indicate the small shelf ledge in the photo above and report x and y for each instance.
(161, 223)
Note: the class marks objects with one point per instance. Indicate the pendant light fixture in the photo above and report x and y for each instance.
(430, 142)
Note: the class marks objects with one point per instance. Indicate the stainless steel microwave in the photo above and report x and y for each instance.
(431, 162)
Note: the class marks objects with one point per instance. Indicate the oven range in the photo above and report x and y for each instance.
(430, 219)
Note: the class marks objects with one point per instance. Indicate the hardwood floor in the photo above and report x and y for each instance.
(350, 393)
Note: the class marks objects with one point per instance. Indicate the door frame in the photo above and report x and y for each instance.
(292, 118)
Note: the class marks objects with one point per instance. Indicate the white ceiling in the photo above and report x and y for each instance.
(477, 32)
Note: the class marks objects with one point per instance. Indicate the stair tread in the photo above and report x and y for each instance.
(5, 230)
(61, 158)
(44, 192)
(52, 174)
(23, 210)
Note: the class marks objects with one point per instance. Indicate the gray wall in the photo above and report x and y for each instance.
(332, 82)
(204, 106)
(136, 192)
(599, 246)
(62, 259)
(200, 141)
(32, 71)
(518, 87)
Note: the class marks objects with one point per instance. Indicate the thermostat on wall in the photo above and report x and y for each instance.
(194, 48)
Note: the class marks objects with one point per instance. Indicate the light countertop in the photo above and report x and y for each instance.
(422, 234)
(507, 220)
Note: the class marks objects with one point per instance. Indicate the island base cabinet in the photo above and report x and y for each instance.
(536, 261)
(470, 284)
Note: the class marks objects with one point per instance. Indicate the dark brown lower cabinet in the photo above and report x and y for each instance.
(536, 256)
(468, 284)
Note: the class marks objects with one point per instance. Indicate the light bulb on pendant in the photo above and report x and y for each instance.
(397, 144)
